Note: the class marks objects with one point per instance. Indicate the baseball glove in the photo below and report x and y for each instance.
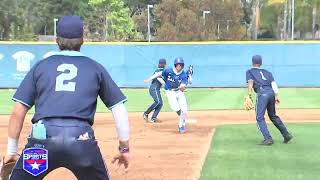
(6, 169)
(248, 104)
(189, 74)
(190, 70)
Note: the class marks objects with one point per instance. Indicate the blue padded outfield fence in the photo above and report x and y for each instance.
(216, 64)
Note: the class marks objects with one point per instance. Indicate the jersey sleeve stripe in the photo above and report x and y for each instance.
(17, 100)
(123, 101)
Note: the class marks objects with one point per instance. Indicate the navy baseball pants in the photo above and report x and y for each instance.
(157, 104)
(82, 157)
(266, 102)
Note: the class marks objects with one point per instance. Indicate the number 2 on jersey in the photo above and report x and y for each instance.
(72, 72)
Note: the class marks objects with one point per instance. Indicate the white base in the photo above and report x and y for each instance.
(191, 121)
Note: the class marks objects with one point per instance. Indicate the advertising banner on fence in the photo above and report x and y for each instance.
(215, 64)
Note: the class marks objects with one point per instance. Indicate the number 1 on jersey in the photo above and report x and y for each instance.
(66, 76)
(262, 76)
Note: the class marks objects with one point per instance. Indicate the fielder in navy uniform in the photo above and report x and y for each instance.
(176, 81)
(154, 91)
(64, 88)
(267, 91)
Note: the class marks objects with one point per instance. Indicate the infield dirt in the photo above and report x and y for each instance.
(158, 151)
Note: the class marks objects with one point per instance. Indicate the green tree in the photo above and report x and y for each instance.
(136, 6)
(187, 25)
(307, 13)
(223, 22)
(167, 32)
(8, 15)
(141, 24)
(25, 19)
(167, 11)
(118, 23)
(271, 21)
(47, 10)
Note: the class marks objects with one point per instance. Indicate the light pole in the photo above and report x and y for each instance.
(55, 28)
(228, 25)
(218, 30)
(204, 16)
(292, 20)
(149, 33)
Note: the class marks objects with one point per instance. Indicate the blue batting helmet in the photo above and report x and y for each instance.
(178, 61)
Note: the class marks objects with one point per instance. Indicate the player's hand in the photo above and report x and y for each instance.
(277, 99)
(146, 81)
(122, 159)
(10, 158)
(7, 163)
(248, 103)
(182, 88)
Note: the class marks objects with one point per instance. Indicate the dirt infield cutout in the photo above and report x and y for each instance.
(158, 151)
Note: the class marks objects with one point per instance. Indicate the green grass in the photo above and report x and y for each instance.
(200, 99)
(234, 154)
(5, 101)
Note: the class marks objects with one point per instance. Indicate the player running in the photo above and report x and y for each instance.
(154, 91)
(267, 91)
(176, 81)
(64, 89)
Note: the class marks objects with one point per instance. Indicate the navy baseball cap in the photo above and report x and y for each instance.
(257, 59)
(70, 27)
(162, 61)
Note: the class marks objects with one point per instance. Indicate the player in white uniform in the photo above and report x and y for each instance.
(176, 81)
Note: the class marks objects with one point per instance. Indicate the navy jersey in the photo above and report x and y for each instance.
(155, 83)
(66, 85)
(173, 79)
(260, 77)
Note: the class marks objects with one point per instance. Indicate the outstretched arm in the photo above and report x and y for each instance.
(161, 81)
(156, 75)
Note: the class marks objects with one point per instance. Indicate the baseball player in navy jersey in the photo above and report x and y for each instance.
(154, 91)
(176, 81)
(64, 89)
(267, 91)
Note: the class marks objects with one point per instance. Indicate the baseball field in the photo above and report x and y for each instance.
(220, 142)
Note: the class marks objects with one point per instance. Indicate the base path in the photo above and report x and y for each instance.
(158, 151)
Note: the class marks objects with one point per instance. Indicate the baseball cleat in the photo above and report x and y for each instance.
(182, 129)
(155, 120)
(287, 138)
(145, 117)
(267, 142)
